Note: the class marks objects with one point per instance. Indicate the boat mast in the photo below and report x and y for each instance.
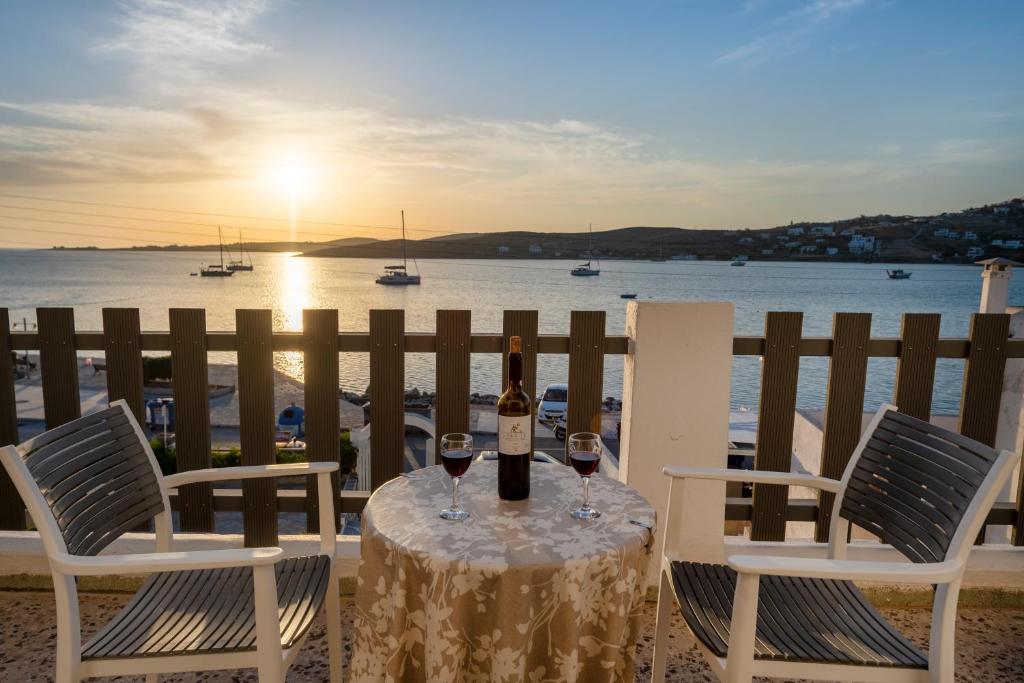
(220, 241)
(241, 247)
(590, 226)
(405, 265)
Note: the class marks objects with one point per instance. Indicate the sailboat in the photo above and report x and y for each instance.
(216, 270)
(399, 274)
(240, 264)
(585, 269)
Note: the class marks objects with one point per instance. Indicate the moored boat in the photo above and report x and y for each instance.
(399, 274)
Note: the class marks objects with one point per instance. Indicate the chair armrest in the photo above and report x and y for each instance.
(248, 472)
(849, 570)
(147, 563)
(756, 476)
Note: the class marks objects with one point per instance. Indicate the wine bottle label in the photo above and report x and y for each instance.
(514, 434)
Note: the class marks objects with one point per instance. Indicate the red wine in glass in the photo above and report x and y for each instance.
(456, 462)
(456, 456)
(585, 463)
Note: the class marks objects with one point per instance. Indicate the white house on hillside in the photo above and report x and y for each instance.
(862, 244)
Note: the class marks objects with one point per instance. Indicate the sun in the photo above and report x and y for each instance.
(293, 178)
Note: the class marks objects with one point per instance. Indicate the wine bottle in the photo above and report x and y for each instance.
(514, 418)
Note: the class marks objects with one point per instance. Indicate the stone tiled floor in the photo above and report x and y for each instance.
(988, 642)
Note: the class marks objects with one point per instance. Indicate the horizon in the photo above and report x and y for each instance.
(321, 121)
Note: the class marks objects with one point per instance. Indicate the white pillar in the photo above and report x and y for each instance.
(675, 411)
(995, 285)
(1009, 432)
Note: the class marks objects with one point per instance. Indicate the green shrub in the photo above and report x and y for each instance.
(347, 452)
(232, 457)
(229, 458)
(165, 456)
(156, 367)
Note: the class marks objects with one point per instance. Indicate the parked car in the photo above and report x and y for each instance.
(554, 402)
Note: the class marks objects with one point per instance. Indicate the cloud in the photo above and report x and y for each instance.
(788, 33)
(470, 171)
(178, 41)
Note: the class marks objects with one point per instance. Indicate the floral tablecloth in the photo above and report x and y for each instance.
(518, 592)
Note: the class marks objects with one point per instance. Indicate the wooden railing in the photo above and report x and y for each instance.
(188, 342)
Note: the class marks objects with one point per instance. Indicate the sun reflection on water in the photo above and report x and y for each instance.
(294, 292)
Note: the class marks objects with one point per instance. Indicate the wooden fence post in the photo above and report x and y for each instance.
(774, 450)
(12, 510)
(586, 373)
(323, 423)
(915, 370)
(844, 405)
(387, 395)
(256, 421)
(122, 347)
(451, 408)
(58, 365)
(190, 380)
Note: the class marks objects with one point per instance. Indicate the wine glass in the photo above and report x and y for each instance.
(585, 455)
(456, 455)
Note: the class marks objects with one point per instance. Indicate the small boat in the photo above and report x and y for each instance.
(193, 274)
(240, 264)
(585, 269)
(217, 270)
(627, 296)
(898, 274)
(399, 274)
(739, 261)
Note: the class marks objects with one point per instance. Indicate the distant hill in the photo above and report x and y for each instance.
(962, 236)
(968, 235)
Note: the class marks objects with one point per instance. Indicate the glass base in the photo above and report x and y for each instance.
(585, 513)
(454, 514)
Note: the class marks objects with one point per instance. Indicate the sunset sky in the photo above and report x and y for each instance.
(484, 116)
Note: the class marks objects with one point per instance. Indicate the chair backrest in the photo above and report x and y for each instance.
(97, 477)
(913, 485)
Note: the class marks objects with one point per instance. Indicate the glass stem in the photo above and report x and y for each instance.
(455, 493)
(586, 493)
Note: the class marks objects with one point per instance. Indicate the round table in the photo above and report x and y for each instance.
(520, 591)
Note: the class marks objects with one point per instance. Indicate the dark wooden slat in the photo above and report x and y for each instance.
(522, 324)
(779, 374)
(983, 377)
(205, 611)
(121, 334)
(256, 422)
(915, 370)
(191, 413)
(844, 404)
(12, 510)
(323, 423)
(387, 395)
(809, 620)
(454, 332)
(586, 372)
(59, 365)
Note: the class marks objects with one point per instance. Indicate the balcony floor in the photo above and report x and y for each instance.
(988, 642)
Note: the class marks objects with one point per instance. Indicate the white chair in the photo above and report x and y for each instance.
(89, 481)
(923, 490)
